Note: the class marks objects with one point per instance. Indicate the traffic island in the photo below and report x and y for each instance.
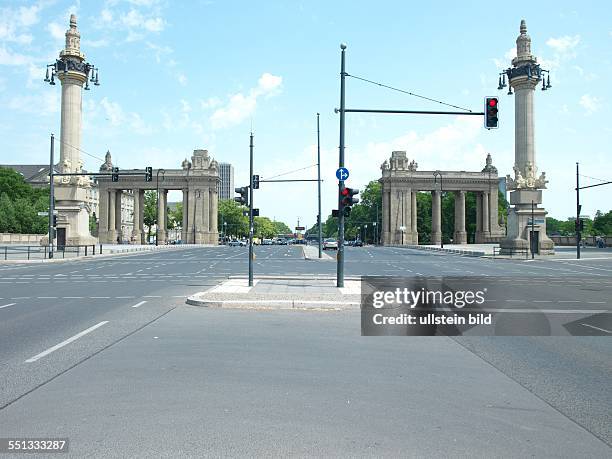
(276, 292)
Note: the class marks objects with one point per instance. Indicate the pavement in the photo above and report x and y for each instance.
(106, 351)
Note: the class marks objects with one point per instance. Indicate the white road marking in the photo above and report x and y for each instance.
(7, 305)
(64, 343)
(139, 304)
(597, 328)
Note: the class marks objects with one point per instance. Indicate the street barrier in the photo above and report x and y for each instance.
(29, 252)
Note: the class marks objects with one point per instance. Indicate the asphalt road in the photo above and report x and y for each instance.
(248, 381)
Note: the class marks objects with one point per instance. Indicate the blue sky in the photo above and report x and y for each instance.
(176, 76)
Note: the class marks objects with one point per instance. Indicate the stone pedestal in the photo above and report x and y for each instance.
(73, 215)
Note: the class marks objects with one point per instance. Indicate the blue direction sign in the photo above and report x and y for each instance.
(342, 173)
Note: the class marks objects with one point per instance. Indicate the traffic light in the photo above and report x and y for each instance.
(256, 182)
(115, 176)
(149, 174)
(243, 199)
(347, 196)
(491, 109)
(54, 221)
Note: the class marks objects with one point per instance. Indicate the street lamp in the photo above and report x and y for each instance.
(402, 229)
(163, 172)
(437, 174)
(365, 234)
(375, 233)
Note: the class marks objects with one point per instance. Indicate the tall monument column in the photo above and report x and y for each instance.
(526, 187)
(71, 192)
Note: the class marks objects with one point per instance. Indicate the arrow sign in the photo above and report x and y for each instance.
(342, 174)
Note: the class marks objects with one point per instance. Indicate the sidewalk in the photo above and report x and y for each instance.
(311, 252)
(275, 292)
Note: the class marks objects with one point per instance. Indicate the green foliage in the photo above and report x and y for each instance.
(175, 216)
(602, 225)
(231, 218)
(150, 211)
(281, 228)
(263, 227)
(20, 203)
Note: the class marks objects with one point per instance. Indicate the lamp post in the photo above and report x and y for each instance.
(437, 174)
(402, 229)
(365, 234)
(375, 233)
(163, 172)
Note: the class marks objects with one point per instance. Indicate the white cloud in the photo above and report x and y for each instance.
(7, 57)
(182, 79)
(134, 19)
(589, 103)
(106, 15)
(564, 46)
(117, 117)
(505, 62)
(56, 30)
(211, 102)
(185, 106)
(241, 106)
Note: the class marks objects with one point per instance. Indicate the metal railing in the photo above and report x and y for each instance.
(33, 252)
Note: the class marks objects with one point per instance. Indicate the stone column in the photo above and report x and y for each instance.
(185, 222)
(214, 223)
(386, 220)
(407, 212)
(119, 232)
(436, 218)
(494, 227)
(161, 220)
(141, 206)
(460, 233)
(205, 201)
(413, 220)
(486, 229)
(197, 209)
(135, 239)
(103, 214)
(111, 236)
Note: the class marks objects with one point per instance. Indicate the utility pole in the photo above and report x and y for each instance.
(51, 198)
(251, 228)
(319, 186)
(340, 255)
(578, 207)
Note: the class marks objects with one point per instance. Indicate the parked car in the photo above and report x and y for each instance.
(330, 243)
(357, 243)
(236, 243)
(266, 242)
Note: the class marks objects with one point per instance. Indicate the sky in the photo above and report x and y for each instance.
(178, 76)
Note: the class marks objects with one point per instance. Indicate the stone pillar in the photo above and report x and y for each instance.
(111, 236)
(135, 237)
(185, 222)
(197, 208)
(103, 214)
(161, 217)
(119, 232)
(205, 208)
(460, 233)
(407, 214)
(141, 206)
(486, 229)
(494, 227)
(436, 218)
(213, 218)
(413, 220)
(386, 218)
(191, 200)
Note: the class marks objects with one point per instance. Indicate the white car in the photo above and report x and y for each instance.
(330, 243)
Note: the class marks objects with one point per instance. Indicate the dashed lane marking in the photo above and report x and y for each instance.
(7, 305)
(65, 343)
(137, 305)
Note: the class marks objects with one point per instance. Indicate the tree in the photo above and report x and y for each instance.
(175, 216)
(602, 224)
(25, 201)
(231, 219)
(281, 228)
(263, 227)
(150, 211)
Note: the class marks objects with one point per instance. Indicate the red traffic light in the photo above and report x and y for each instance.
(492, 102)
(344, 191)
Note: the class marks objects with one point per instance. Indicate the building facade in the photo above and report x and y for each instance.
(226, 185)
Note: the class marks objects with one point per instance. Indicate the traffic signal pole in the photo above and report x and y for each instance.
(319, 186)
(340, 255)
(251, 228)
(51, 198)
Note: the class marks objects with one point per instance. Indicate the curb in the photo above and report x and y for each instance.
(463, 252)
(325, 257)
(273, 304)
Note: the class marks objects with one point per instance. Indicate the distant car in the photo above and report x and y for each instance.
(236, 243)
(281, 241)
(357, 243)
(330, 243)
(266, 242)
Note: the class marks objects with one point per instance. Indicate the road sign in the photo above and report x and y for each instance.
(300, 228)
(46, 214)
(342, 173)
(585, 217)
(255, 212)
(538, 221)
